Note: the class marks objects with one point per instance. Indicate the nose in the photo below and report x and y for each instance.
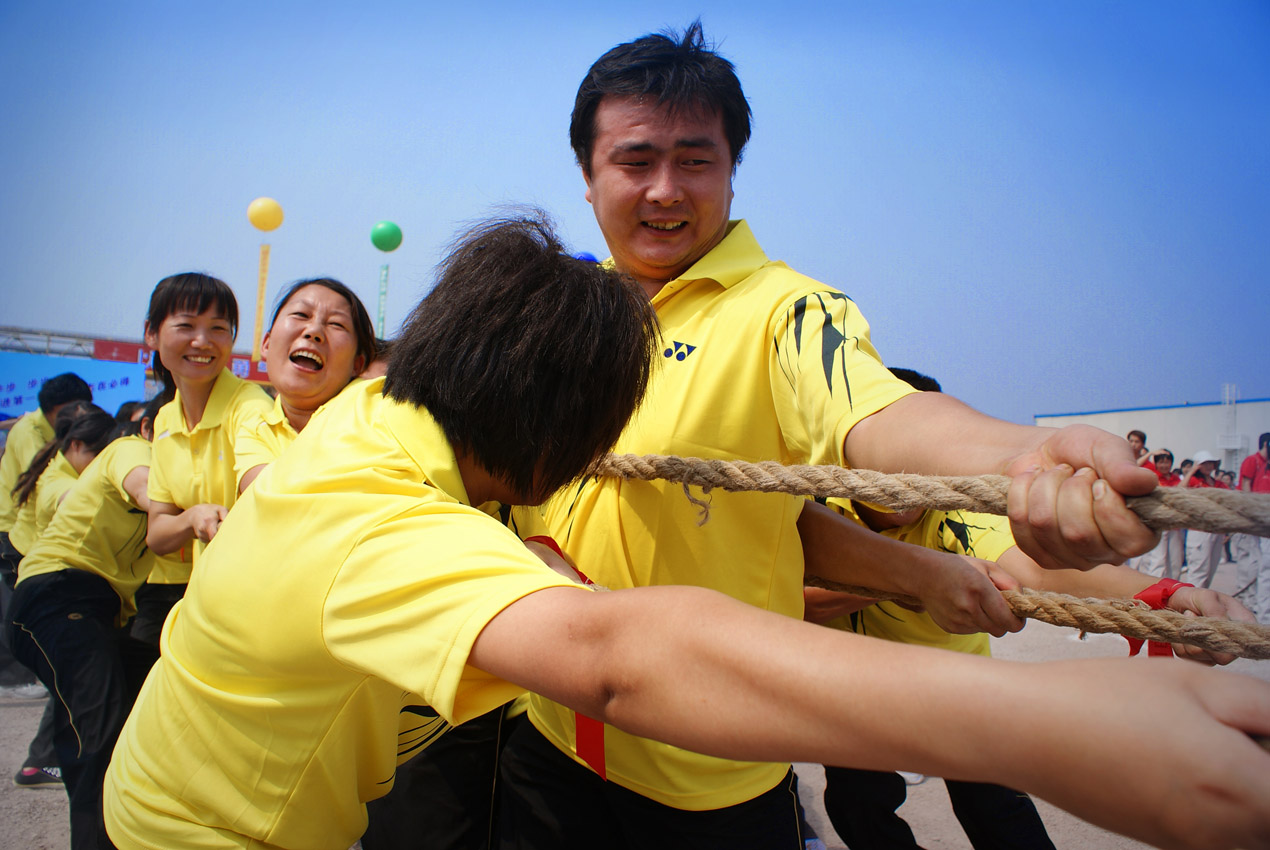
(663, 187)
(313, 331)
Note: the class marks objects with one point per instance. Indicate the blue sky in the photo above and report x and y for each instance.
(1049, 206)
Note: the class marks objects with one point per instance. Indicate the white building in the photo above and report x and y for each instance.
(1229, 429)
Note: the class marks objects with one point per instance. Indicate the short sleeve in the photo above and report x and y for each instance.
(826, 375)
(413, 596)
(254, 443)
(158, 487)
(129, 455)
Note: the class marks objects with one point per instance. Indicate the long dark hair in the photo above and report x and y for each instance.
(78, 421)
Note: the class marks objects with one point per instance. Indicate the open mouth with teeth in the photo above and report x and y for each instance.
(307, 361)
(200, 359)
(666, 226)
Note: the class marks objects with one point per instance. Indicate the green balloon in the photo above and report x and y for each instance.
(386, 236)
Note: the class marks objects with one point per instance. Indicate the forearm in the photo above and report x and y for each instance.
(935, 434)
(846, 552)
(168, 532)
(1106, 581)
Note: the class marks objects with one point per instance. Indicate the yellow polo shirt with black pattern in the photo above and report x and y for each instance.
(27, 436)
(759, 363)
(349, 583)
(194, 466)
(99, 527)
(34, 514)
(959, 532)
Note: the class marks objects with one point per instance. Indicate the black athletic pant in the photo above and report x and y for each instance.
(443, 798)
(550, 802)
(61, 625)
(861, 806)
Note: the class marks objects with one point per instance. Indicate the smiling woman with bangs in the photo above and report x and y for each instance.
(191, 325)
(321, 337)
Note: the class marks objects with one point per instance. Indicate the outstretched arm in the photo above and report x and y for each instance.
(1061, 517)
(699, 670)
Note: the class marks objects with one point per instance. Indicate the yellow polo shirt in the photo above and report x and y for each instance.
(350, 582)
(34, 516)
(26, 438)
(263, 434)
(99, 527)
(959, 532)
(759, 363)
(195, 466)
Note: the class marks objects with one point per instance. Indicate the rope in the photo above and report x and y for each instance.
(1206, 509)
(1128, 617)
(1203, 509)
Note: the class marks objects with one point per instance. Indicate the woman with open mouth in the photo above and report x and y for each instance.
(321, 337)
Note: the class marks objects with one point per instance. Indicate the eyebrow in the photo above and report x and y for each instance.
(641, 147)
(310, 305)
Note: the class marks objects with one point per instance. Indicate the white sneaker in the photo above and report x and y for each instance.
(35, 690)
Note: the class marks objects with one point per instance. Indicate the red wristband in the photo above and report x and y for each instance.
(1159, 594)
(1156, 596)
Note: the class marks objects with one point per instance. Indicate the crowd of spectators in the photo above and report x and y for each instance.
(1194, 556)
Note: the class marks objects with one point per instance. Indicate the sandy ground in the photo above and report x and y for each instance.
(34, 819)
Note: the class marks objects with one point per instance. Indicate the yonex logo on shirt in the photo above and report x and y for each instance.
(680, 351)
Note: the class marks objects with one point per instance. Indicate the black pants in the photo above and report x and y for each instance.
(154, 601)
(444, 798)
(550, 802)
(61, 625)
(861, 806)
(12, 671)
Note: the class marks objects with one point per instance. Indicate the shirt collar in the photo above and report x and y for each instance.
(62, 466)
(274, 415)
(422, 439)
(735, 258)
(222, 391)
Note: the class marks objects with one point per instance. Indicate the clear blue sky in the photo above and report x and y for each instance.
(1049, 206)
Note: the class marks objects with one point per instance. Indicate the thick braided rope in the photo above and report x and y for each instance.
(1114, 616)
(1204, 509)
(1208, 510)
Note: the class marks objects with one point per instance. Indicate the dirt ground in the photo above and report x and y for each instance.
(37, 819)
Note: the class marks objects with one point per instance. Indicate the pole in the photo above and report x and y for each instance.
(383, 297)
(260, 301)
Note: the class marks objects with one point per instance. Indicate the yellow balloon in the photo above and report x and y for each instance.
(265, 214)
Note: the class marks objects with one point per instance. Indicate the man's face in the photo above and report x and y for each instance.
(661, 187)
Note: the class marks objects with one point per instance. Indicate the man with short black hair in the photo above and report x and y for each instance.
(759, 363)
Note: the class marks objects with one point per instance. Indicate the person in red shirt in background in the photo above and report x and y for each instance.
(1252, 554)
(1138, 442)
(1203, 549)
(1166, 559)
